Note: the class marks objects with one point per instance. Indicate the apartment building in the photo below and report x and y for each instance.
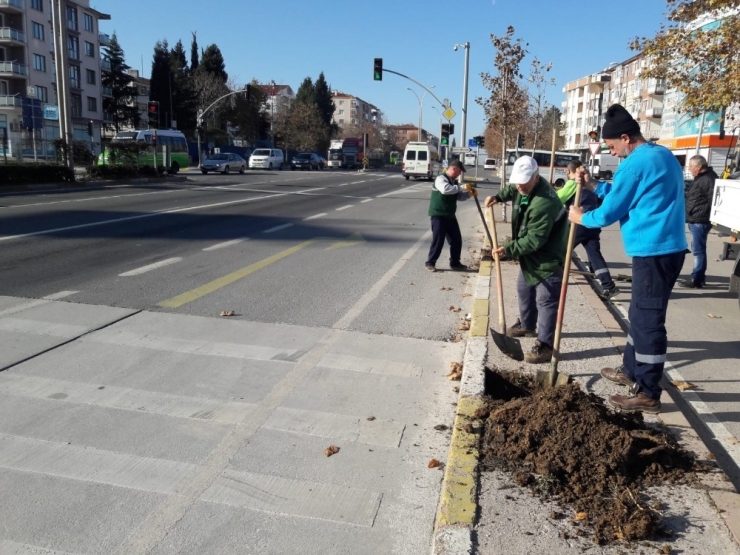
(278, 98)
(142, 85)
(353, 112)
(28, 98)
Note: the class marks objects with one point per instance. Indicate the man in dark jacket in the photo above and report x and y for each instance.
(698, 206)
(539, 226)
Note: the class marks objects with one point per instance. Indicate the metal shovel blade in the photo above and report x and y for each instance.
(510, 346)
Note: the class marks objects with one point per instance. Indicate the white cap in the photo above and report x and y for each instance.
(524, 168)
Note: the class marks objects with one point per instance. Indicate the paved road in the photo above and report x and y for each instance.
(133, 419)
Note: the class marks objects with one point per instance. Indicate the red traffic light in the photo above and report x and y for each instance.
(153, 107)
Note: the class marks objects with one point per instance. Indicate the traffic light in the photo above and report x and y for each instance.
(593, 135)
(480, 140)
(90, 128)
(154, 140)
(248, 92)
(378, 69)
(519, 140)
(445, 139)
(152, 111)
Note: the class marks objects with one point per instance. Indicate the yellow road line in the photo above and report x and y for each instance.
(216, 284)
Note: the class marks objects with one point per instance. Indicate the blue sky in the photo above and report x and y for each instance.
(290, 40)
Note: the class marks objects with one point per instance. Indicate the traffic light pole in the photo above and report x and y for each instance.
(414, 81)
(201, 114)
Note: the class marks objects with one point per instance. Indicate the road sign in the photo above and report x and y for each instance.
(472, 143)
(445, 163)
(594, 148)
(460, 149)
(449, 113)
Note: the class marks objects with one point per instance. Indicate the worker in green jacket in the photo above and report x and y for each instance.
(540, 226)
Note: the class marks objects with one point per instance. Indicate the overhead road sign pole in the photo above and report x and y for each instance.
(412, 80)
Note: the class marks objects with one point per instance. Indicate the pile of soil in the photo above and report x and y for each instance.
(567, 446)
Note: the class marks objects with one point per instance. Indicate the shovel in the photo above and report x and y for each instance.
(510, 346)
(552, 378)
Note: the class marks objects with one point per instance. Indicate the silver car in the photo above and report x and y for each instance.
(224, 162)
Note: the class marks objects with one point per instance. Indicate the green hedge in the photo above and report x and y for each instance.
(21, 174)
(123, 171)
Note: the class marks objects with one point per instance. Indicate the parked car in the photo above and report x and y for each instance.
(224, 162)
(306, 161)
(489, 164)
(266, 158)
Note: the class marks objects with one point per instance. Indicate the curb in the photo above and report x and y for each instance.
(458, 506)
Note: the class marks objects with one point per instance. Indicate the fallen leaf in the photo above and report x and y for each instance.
(455, 371)
(440, 427)
(227, 313)
(455, 309)
(710, 456)
(456, 389)
(464, 325)
(331, 450)
(713, 315)
(666, 550)
(371, 418)
(733, 441)
(445, 288)
(467, 294)
(411, 283)
(618, 536)
(684, 386)
(580, 516)
(433, 463)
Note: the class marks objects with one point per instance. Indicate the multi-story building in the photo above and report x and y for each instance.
(141, 101)
(401, 135)
(581, 109)
(28, 74)
(278, 98)
(353, 112)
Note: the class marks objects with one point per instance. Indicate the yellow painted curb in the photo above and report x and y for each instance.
(485, 268)
(479, 323)
(458, 505)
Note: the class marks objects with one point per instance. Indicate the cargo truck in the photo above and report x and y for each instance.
(334, 156)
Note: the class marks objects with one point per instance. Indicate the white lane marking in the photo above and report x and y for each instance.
(367, 200)
(277, 228)
(225, 244)
(60, 295)
(151, 267)
(88, 464)
(344, 207)
(315, 216)
(152, 215)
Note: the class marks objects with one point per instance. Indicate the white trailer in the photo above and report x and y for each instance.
(334, 156)
(725, 218)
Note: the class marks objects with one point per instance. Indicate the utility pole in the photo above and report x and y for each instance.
(60, 61)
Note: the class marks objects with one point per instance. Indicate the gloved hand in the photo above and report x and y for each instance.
(472, 191)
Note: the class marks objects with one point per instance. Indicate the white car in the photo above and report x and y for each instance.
(224, 162)
(266, 158)
(489, 164)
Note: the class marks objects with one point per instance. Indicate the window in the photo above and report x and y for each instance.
(410, 155)
(42, 93)
(37, 5)
(74, 76)
(89, 49)
(88, 22)
(92, 104)
(38, 30)
(340, 112)
(39, 62)
(422, 155)
(76, 105)
(72, 18)
(90, 74)
(73, 47)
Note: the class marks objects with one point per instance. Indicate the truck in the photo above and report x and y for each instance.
(605, 165)
(334, 156)
(352, 153)
(725, 218)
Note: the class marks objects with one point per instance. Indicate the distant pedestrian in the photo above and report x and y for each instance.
(539, 230)
(698, 206)
(590, 238)
(648, 201)
(442, 207)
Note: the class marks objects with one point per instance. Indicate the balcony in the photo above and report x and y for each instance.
(12, 5)
(104, 39)
(73, 54)
(10, 35)
(105, 65)
(656, 112)
(13, 69)
(6, 100)
(107, 91)
(657, 89)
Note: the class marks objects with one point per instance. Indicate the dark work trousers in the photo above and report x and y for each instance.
(591, 241)
(445, 228)
(653, 278)
(540, 302)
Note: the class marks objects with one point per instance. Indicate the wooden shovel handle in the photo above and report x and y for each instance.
(497, 266)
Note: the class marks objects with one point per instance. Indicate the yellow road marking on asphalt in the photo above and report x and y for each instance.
(354, 239)
(216, 284)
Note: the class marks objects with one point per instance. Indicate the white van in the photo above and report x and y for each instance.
(420, 160)
(266, 158)
(471, 159)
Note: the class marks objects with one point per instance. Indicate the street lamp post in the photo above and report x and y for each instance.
(466, 46)
(439, 143)
(421, 102)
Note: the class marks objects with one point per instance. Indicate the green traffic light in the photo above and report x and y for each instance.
(445, 141)
(378, 77)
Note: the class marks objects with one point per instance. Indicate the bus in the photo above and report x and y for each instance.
(542, 157)
(174, 140)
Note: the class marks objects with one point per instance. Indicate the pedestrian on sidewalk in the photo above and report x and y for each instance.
(442, 206)
(590, 238)
(698, 206)
(648, 201)
(539, 232)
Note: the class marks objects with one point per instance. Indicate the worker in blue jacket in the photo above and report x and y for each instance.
(647, 199)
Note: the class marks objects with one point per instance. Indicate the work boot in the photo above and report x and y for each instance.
(431, 267)
(541, 352)
(457, 266)
(636, 403)
(608, 294)
(617, 375)
(690, 284)
(518, 331)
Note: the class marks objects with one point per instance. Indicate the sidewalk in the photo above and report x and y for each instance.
(486, 514)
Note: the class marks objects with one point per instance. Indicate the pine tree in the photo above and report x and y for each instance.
(326, 106)
(184, 98)
(121, 104)
(194, 54)
(306, 93)
(159, 85)
(212, 61)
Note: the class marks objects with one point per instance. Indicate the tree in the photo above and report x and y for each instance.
(248, 115)
(697, 53)
(538, 77)
(121, 104)
(184, 96)
(194, 53)
(506, 107)
(159, 84)
(306, 93)
(322, 92)
(209, 88)
(212, 61)
(303, 128)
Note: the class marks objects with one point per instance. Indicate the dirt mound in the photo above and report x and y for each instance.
(567, 446)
